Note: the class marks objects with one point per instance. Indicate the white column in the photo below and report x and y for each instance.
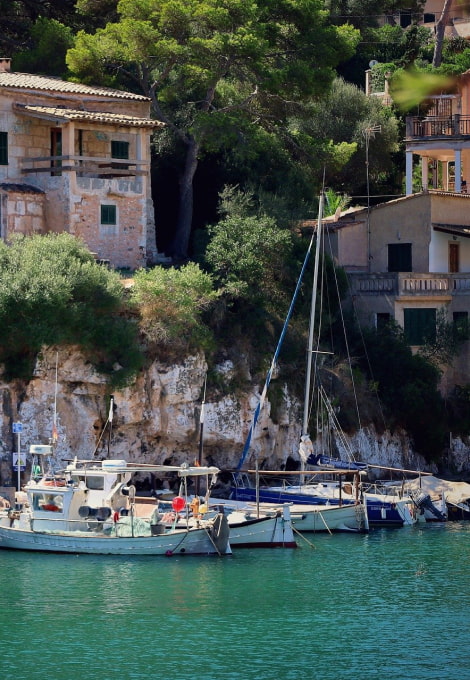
(425, 173)
(445, 175)
(409, 173)
(458, 171)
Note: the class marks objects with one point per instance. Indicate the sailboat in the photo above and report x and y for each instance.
(337, 515)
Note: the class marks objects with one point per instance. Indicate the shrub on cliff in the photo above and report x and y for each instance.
(171, 304)
(53, 292)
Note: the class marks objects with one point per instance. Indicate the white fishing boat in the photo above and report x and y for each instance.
(330, 518)
(250, 527)
(90, 508)
(302, 517)
(270, 529)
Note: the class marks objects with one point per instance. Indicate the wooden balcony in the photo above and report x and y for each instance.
(403, 284)
(85, 166)
(437, 127)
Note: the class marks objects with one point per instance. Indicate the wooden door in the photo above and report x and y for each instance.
(454, 258)
(56, 150)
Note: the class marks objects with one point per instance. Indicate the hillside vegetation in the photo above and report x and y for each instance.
(264, 106)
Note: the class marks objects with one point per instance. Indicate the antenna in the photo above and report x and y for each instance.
(368, 133)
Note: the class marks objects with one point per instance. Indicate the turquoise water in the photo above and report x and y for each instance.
(394, 604)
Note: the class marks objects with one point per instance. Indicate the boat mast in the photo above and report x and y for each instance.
(201, 433)
(308, 377)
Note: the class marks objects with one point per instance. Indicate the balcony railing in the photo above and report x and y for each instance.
(437, 126)
(85, 166)
(399, 284)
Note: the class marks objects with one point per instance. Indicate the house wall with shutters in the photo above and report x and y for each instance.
(71, 143)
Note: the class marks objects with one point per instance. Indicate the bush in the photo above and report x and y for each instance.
(171, 304)
(408, 386)
(53, 292)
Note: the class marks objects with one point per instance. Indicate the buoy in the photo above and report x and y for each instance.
(178, 503)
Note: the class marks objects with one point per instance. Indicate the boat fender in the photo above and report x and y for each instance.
(128, 490)
(103, 513)
(84, 511)
(116, 517)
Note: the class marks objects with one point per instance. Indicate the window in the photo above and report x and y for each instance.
(108, 214)
(119, 149)
(48, 502)
(95, 483)
(461, 328)
(56, 150)
(399, 257)
(381, 320)
(420, 325)
(108, 220)
(3, 148)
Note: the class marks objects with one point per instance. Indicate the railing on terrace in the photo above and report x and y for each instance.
(85, 166)
(409, 284)
(438, 126)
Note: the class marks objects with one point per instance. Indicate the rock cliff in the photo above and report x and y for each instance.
(157, 419)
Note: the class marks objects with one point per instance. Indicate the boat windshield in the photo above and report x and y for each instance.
(48, 502)
(94, 482)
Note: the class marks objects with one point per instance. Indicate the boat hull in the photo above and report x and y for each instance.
(193, 542)
(380, 513)
(321, 518)
(457, 512)
(261, 532)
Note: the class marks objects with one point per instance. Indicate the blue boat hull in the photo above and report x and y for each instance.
(380, 513)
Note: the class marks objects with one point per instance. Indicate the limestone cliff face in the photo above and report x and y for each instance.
(157, 419)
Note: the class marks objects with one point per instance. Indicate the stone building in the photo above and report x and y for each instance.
(76, 158)
(408, 260)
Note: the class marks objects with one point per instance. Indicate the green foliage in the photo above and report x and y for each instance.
(172, 303)
(335, 202)
(458, 406)
(53, 292)
(246, 254)
(410, 88)
(50, 41)
(344, 115)
(408, 386)
(447, 341)
(216, 72)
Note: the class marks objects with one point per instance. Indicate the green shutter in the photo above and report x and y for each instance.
(3, 148)
(108, 214)
(420, 325)
(399, 257)
(119, 149)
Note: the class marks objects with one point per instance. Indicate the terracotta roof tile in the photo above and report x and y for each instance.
(62, 114)
(27, 81)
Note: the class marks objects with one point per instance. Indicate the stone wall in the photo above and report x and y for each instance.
(157, 420)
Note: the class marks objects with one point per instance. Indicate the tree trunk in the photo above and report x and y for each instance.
(440, 30)
(180, 243)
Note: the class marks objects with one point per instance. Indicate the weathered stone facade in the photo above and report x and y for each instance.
(156, 420)
(76, 158)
